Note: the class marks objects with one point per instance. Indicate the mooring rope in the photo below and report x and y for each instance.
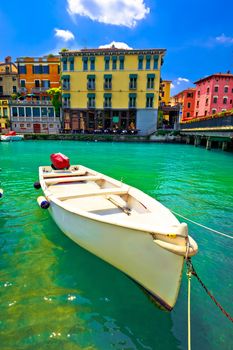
(203, 226)
(194, 273)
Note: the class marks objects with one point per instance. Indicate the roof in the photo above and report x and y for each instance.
(112, 50)
(227, 75)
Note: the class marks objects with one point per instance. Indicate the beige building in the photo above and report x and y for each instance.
(8, 78)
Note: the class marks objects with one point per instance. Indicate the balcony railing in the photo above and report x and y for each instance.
(29, 103)
(107, 86)
(91, 105)
(226, 121)
(39, 89)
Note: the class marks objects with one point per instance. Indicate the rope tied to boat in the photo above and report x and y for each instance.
(194, 273)
(189, 275)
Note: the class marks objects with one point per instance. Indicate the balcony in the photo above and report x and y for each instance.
(107, 105)
(29, 103)
(91, 105)
(37, 90)
(22, 90)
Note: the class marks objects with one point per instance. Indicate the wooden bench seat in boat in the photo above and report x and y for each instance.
(54, 175)
(72, 179)
(96, 192)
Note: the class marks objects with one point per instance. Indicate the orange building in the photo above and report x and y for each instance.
(36, 75)
(186, 100)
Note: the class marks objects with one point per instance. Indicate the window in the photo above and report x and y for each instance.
(51, 125)
(28, 125)
(45, 70)
(21, 125)
(44, 112)
(122, 61)
(22, 83)
(224, 100)
(14, 79)
(71, 59)
(107, 100)
(114, 62)
(205, 113)
(92, 63)
(216, 88)
(21, 111)
(148, 57)
(206, 101)
(196, 114)
(64, 63)
(140, 62)
(37, 83)
(208, 90)
(5, 112)
(214, 111)
(133, 81)
(189, 105)
(150, 81)
(91, 100)
(14, 89)
(197, 104)
(28, 112)
(156, 60)
(14, 112)
(51, 112)
(225, 89)
(107, 82)
(149, 100)
(190, 94)
(36, 111)
(215, 99)
(85, 63)
(91, 82)
(1, 90)
(132, 100)
(198, 93)
(65, 82)
(106, 62)
(188, 115)
(37, 69)
(22, 70)
(58, 69)
(45, 84)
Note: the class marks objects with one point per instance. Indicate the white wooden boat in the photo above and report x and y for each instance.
(121, 225)
(12, 137)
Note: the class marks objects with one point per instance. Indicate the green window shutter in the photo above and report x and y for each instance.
(64, 59)
(66, 95)
(140, 57)
(85, 59)
(65, 77)
(150, 75)
(106, 58)
(71, 58)
(107, 95)
(91, 76)
(133, 76)
(92, 58)
(132, 95)
(114, 58)
(122, 58)
(90, 95)
(150, 95)
(148, 57)
(107, 76)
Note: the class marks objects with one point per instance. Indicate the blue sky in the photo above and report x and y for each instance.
(198, 35)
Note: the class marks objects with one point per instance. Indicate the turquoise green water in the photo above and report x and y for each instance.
(55, 295)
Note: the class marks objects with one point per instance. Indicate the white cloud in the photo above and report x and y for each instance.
(65, 35)
(116, 44)
(223, 39)
(182, 79)
(172, 86)
(116, 12)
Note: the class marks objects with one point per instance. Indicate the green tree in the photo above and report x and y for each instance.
(55, 94)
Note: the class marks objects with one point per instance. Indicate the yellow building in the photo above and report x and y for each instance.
(111, 89)
(4, 114)
(165, 92)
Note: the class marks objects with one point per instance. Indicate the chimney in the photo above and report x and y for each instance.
(8, 59)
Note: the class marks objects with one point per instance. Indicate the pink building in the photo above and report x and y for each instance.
(214, 94)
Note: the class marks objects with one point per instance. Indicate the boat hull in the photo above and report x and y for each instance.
(12, 138)
(133, 252)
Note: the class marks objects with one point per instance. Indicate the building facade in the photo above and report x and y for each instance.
(4, 114)
(8, 78)
(186, 101)
(34, 117)
(214, 94)
(32, 111)
(110, 89)
(37, 75)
